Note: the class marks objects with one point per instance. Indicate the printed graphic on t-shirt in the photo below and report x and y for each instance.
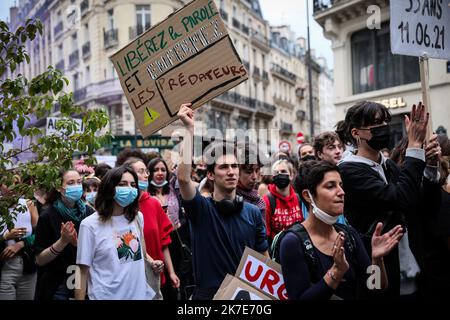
(128, 246)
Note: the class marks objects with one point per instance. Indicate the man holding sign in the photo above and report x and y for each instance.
(221, 225)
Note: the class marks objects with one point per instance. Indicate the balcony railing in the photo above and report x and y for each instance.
(259, 37)
(224, 15)
(246, 64)
(280, 70)
(245, 30)
(74, 59)
(238, 99)
(86, 50)
(84, 7)
(136, 31)
(58, 29)
(80, 94)
(321, 5)
(236, 23)
(60, 65)
(286, 126)
(256, 72)
(111, 38)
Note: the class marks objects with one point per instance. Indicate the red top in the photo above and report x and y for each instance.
(286, 212)
(157, 228)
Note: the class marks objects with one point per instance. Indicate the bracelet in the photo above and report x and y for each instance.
(54, 251)
(332, 276)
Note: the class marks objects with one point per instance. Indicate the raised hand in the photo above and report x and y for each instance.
(416, 126)
(68, 233)
(186, 115)
(340, 261)
(433, 151)
(383, 244)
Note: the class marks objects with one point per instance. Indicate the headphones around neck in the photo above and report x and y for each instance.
(227, 207)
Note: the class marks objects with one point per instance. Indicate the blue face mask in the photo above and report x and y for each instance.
(74, 192)
(143, 185)
(125, 196)
(90, 197)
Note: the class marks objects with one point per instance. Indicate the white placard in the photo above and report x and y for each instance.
(421, 27)
(50, 128)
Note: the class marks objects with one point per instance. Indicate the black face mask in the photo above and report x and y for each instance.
(308, 157)
(281, 180)
(201, 173)
(380, 137)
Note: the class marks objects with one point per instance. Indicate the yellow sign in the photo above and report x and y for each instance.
(150, 115)
(393, 103)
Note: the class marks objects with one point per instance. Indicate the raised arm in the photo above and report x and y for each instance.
(187, 186)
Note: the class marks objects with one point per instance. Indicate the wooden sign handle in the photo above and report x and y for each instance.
(424, 78)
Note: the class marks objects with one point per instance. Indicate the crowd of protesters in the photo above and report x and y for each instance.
(146, 229)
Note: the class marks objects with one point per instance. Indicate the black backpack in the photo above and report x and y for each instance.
(273, 201)
(312, 259)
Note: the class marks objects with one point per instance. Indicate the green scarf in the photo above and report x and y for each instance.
(75, 214)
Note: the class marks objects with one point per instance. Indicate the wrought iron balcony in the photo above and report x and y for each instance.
(136, 31)
(277, 69)
(224, 15)
(74, 59)
(60, 65)
(84, 7)
(287, 127)
(86, 50)
(111, 38)
(259, 39)
(80, 94)
(321, 5)
(236, 23)
(57, 31)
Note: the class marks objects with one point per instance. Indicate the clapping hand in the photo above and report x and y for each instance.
(383, 244)
(68, 233)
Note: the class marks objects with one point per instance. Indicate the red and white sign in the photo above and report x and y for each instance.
(284, 146)
(300, 138)
(262, 273)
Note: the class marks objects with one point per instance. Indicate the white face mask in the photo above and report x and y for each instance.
(322, 215)
(159, 185)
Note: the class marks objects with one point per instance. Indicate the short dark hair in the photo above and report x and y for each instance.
(151, 168)
(101, 169)
(324, 139)
(104, 202)
(250, 157)
(311, 174)
(360, 115)
(127, 153)
(216, 149)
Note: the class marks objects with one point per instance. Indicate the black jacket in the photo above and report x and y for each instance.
(369, 200)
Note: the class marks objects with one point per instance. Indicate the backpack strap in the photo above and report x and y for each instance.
(312, 260)
(272, 202)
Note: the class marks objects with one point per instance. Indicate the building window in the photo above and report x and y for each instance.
(75, 82)
(86, 33)
(142, 18)
(217, 120)
(242, 123)
(375, 67)
(74, 42)
(60, 52)
(110, 24)
(88, 75)
(448, 66)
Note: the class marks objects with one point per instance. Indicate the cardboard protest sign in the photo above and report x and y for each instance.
(189, 57)
(420, 27)
(262, 273)
(233, 288)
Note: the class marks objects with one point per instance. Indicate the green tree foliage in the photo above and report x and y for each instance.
(20, 100)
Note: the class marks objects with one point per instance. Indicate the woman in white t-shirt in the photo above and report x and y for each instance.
(110, 251)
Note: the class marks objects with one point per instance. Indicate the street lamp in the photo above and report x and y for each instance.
(311, 107)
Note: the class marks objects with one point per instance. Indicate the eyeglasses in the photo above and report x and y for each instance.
(142, 171)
